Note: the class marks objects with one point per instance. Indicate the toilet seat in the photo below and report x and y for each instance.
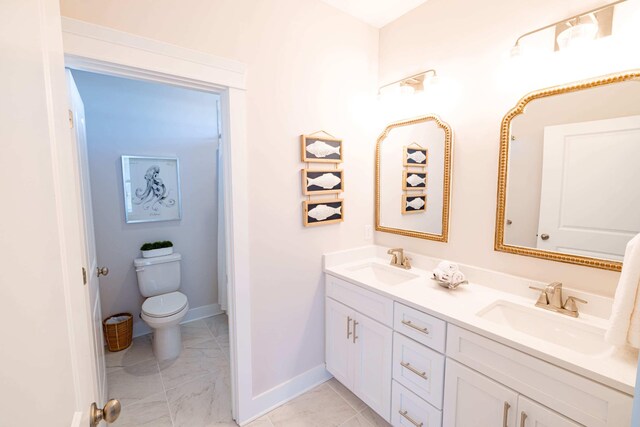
(164, 305)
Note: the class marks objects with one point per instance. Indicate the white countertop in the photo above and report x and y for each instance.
(615, 368)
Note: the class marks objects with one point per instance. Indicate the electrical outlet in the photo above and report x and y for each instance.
(368, 232)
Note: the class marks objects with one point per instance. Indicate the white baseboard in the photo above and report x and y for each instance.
(141, 328)
(288, 390)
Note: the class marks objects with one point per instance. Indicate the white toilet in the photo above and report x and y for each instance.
(165, 307)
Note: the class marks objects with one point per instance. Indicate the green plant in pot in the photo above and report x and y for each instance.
(160, 248)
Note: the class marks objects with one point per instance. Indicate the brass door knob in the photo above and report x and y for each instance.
(544, 236)
(108, 414)
(103, 271)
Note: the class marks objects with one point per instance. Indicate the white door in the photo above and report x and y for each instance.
(590, 199)
(79, 139)
(532, 414)
(374, 349)
(472, 400)
(339, 341)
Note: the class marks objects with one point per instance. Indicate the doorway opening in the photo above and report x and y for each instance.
(155, 122)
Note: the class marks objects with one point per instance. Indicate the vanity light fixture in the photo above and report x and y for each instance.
(414, 83)
(576, 30)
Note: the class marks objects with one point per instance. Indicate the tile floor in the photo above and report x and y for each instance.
(194, 389)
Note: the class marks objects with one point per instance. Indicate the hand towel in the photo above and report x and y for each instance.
(624, 327)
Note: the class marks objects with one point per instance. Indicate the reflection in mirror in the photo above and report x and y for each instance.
(413, 161)
(572, 173)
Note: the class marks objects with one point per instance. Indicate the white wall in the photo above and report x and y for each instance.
(470, 51)
(129, 117)
(310, 67)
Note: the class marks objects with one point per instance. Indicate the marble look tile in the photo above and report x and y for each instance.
(223, 342)
(219, 325)
(150, 412)
(203, 402)
(139, 351)
(320, 407)
(197, 360)
(263, 421)
(134, 383)
(373, 418)
(357, 421)
(347, 395)
(194, 332)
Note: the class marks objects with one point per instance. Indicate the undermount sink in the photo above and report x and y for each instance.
(551, 327)
(372, 271)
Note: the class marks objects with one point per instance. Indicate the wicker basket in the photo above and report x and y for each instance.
(118, 335)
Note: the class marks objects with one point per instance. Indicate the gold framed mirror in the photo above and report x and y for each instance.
(413, 178)
(562, 151)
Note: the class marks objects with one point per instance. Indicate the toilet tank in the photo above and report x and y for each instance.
(158, 275)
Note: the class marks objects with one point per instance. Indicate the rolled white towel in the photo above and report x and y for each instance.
(441, 275)
(448, 267)
(457, 278)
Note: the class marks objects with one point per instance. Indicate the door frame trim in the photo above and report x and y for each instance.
(94, 48)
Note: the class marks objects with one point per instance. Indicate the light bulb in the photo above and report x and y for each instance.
(577, 35)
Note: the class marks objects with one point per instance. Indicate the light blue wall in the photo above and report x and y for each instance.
(128, 117)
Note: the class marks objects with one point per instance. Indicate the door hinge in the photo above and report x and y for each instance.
(84, 276)
(70, 119)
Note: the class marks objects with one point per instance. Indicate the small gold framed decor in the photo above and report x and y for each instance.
(320, 212)
(414, 180)
(414, 203)
(322, 181)
(415, 156)
(323, 149)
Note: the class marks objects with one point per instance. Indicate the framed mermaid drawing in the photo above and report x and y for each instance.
(151, 189)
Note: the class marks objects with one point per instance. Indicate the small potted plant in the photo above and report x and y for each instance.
(150, 250)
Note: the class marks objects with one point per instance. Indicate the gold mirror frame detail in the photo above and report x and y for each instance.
(446, 190)
(503, 164)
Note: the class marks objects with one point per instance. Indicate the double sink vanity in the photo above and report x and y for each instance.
(483, 354)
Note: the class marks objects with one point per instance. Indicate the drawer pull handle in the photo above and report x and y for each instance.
(410, 324)
(505, 414)
(355, 337)
(349, 327)
(523, 418)
(422, 374)
(410, 419)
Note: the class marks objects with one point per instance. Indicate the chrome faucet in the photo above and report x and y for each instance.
(551, 299)
(399, 259)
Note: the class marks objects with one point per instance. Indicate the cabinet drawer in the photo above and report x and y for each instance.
(408, 410)
(419, 369)
(366, 302)
(572, 395)
(420, 326)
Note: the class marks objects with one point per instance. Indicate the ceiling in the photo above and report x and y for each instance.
(375, 12)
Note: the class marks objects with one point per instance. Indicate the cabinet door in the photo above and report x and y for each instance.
(532, 414)
(373, 364)
(339, 341)
(472, 400)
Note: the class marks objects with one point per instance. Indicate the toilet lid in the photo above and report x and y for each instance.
(164, 305)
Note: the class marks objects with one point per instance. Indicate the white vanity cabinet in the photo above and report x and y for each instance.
(358, 348)
(532, 414)
(417, 370)
(473, 400)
